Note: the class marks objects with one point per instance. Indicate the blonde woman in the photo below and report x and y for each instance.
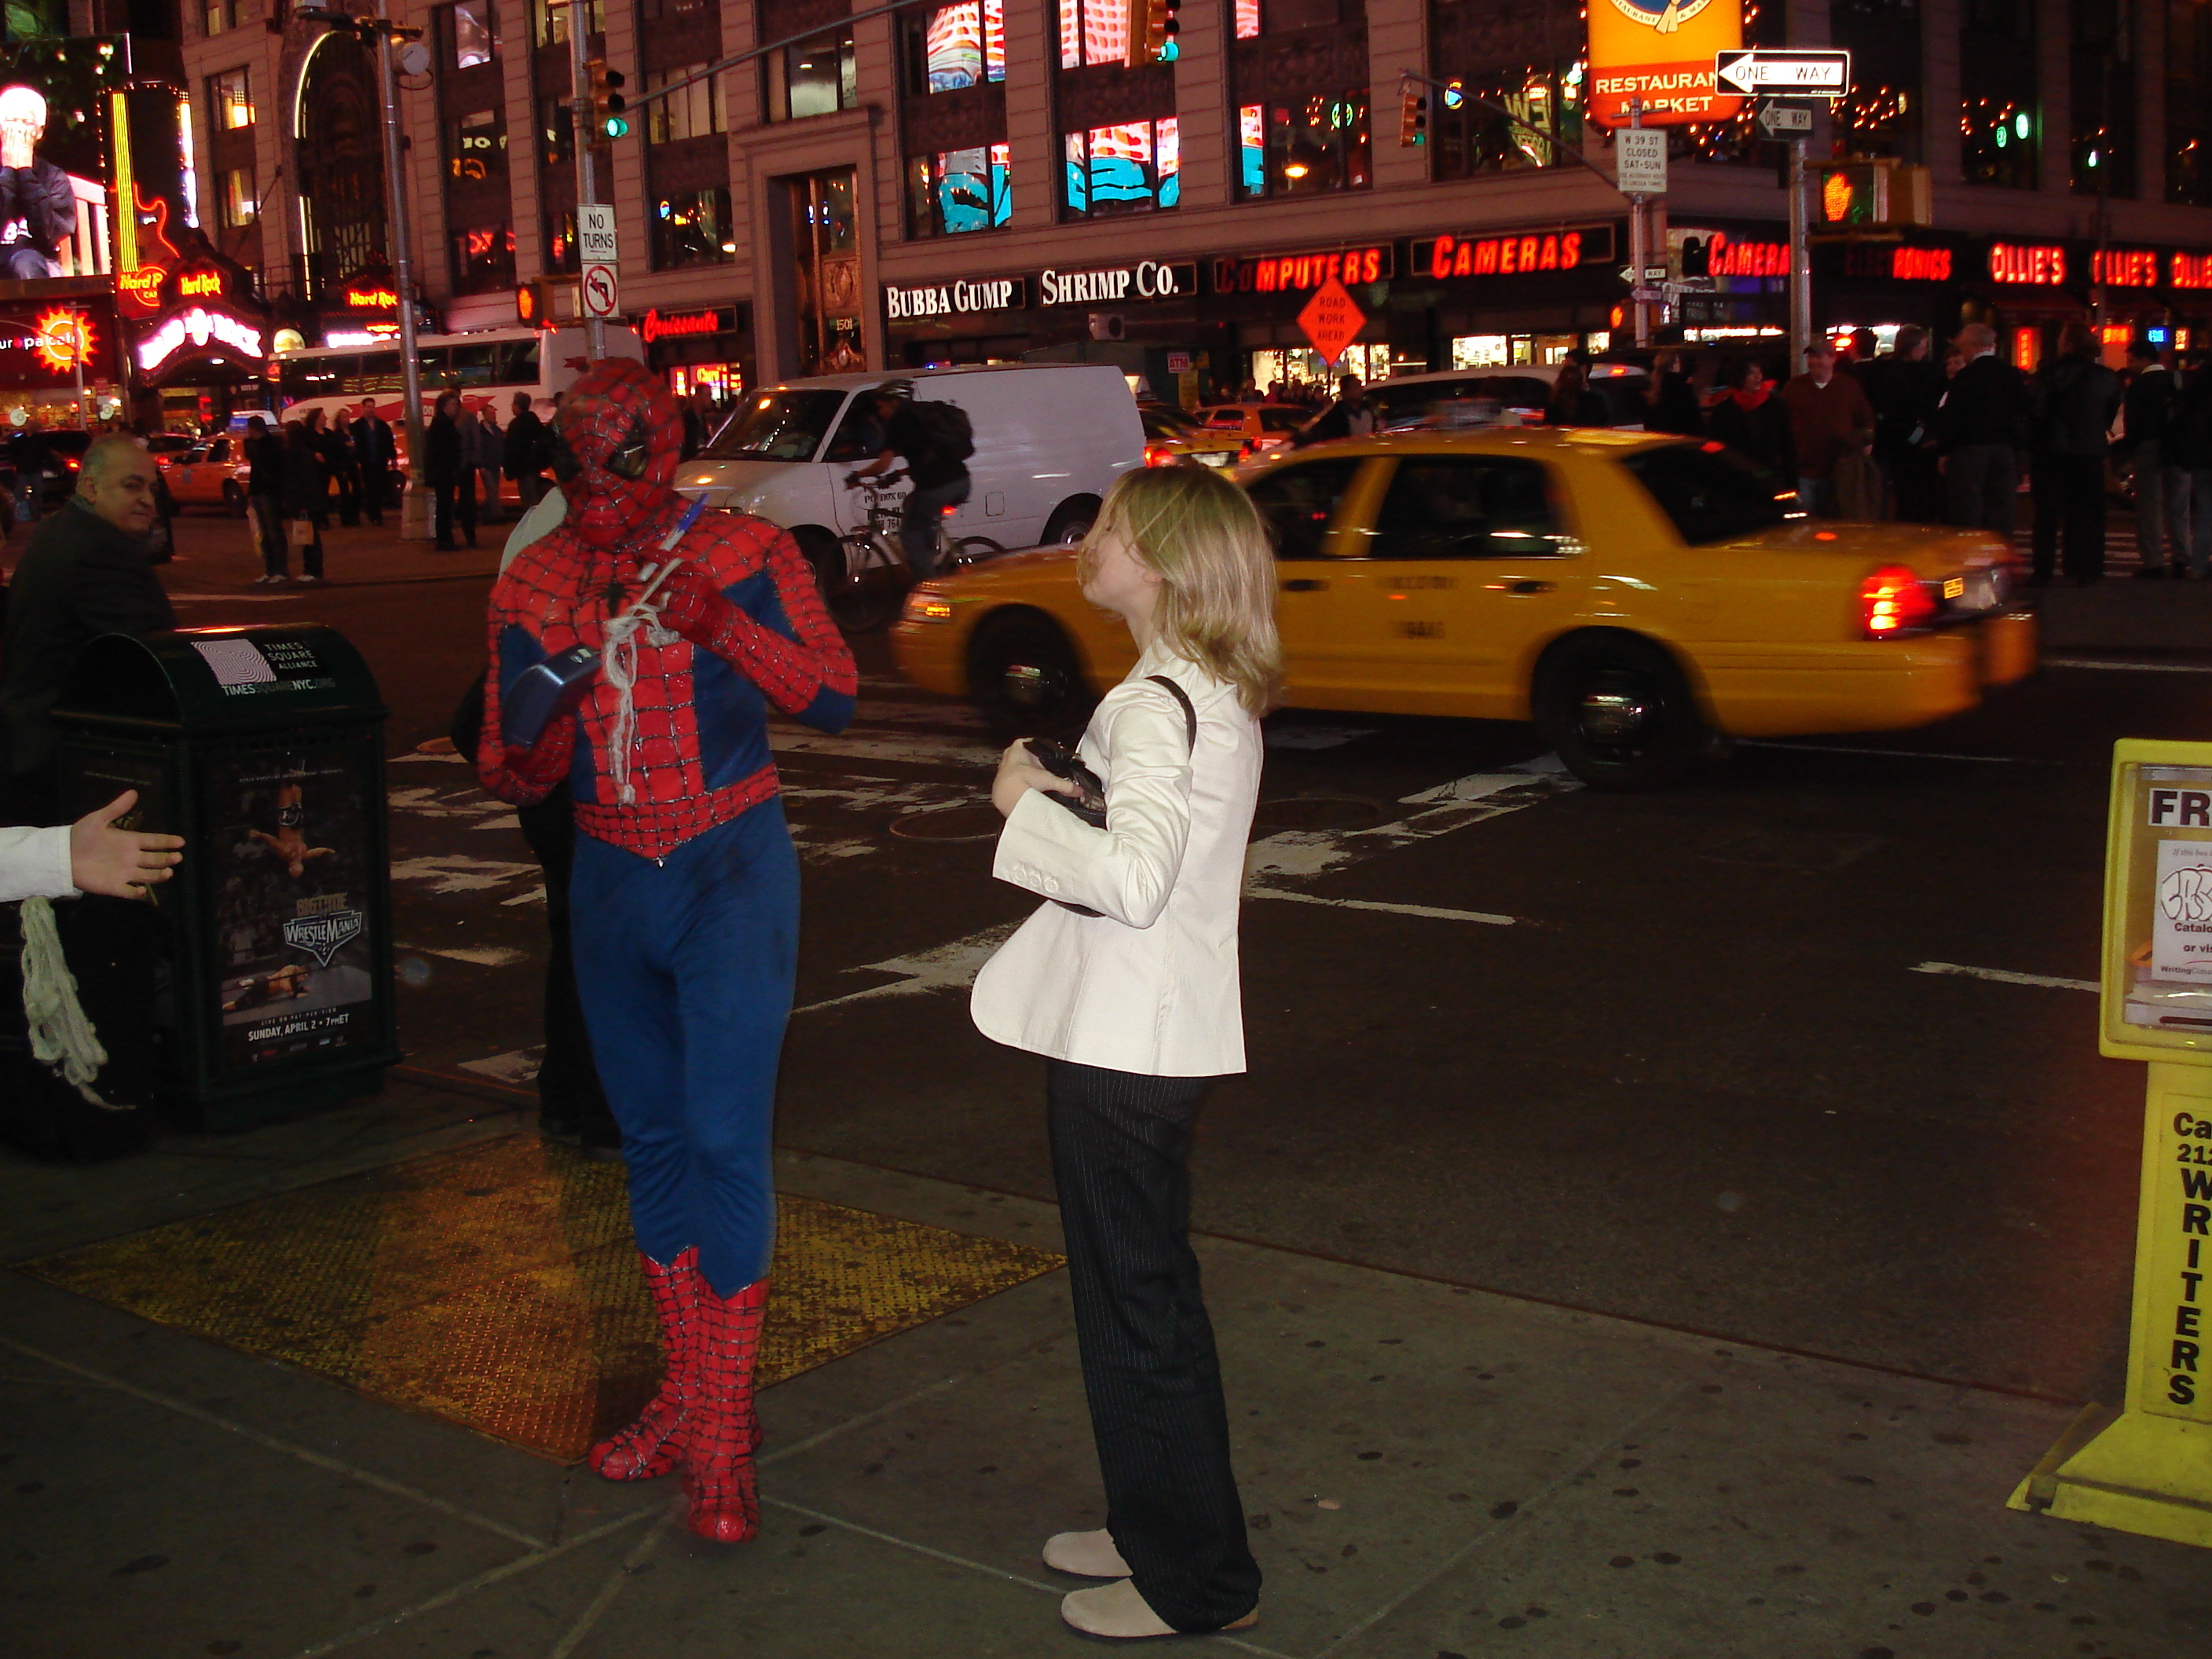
(1127, 984)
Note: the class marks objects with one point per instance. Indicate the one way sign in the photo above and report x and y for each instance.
(1809, 73)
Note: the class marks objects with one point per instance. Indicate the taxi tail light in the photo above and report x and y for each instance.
(1159, 455)
(1893, 600)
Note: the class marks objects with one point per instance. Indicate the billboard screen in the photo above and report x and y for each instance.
(1661, 52)
(56, 177)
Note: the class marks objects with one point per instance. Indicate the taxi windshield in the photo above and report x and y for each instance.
(1162, 421)
(777, 426)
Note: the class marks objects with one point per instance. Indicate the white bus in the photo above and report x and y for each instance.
(486, 368)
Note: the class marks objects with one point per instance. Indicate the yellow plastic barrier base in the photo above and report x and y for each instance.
(2131, 1472)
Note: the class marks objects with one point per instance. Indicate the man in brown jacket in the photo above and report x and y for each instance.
(1830, 421)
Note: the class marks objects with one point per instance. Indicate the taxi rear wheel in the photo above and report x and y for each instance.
(1620, 714)
(1026, 679)
(233, 499)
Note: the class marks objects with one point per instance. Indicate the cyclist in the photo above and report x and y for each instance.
(934, 439)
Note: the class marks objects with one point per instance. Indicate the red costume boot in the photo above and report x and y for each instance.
(722, 1432)
(654, 1443)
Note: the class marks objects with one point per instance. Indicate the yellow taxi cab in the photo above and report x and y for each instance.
(1173, 439)
(213, 474)
(1266, 427)
(1643, 599)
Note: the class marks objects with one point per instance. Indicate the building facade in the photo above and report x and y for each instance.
(987, 180)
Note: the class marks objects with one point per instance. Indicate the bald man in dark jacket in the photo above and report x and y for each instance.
(85, 573)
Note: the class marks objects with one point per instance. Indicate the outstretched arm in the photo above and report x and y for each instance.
(797, 658)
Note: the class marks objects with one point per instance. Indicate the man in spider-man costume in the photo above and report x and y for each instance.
(685, 895)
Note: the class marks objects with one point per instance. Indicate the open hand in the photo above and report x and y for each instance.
(119, 863)
(1018, 774)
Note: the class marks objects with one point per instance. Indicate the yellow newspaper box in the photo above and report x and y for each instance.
(2147, 1468)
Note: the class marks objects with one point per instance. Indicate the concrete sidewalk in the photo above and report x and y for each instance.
(1429, 1470)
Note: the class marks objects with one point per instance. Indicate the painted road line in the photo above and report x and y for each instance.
(1296, 855)
(2006, 976)
(1893, 754)
(944, 968)
(2129, 667)
(1431, 911)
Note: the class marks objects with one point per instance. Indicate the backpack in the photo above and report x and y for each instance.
(951, 435)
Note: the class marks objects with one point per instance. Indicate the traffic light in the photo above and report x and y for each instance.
(1869, 193)
(1413, 117)
(606, 121)
(532, 309)
(1153, 25)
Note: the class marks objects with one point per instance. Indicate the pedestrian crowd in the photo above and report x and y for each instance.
(1900, 436)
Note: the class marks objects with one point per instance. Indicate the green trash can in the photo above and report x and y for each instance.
(264, 748)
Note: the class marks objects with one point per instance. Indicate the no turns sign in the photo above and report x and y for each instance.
(602, 296)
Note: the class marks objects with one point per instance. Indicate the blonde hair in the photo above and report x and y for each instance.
(1206, 540)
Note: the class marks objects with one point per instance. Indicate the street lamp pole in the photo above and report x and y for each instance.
(414, 520)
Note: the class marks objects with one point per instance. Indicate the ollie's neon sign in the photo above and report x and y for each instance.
(2043, 264)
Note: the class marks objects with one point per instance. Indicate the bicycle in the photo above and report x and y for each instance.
(864, 576)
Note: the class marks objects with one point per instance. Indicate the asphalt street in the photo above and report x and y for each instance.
(1802, 1055)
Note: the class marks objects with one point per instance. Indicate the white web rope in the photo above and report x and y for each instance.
(61, 1036)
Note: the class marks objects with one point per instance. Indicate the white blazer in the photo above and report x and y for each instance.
(35, 864)
(1150, 985)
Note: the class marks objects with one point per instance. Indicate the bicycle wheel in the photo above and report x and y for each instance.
(868, 588)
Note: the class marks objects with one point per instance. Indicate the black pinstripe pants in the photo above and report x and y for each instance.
(1121, 1146)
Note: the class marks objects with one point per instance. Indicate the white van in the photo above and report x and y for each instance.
(1049, 438)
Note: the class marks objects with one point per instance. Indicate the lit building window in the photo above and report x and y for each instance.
(1093, 32)
(961, 191)
(477, 146)
(965, 45)
(471, 26)
(1248, 20)
(483, 259)
(239, 205)
(693, 227)
(693, 112)
(1126, 168)
(232, 93)
(1316, 144)
(815, 77)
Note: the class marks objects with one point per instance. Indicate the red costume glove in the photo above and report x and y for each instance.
(541, 768)
(690, 604)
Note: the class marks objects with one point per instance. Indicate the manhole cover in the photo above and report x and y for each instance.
(950, 824)
(1317, 812)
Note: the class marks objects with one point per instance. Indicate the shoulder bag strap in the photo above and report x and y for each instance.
(1189, 713)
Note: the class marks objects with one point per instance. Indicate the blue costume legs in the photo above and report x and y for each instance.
(685, 971)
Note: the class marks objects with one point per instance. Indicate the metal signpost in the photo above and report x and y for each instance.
(1800, 72)
(587, 187)
(1639, 154)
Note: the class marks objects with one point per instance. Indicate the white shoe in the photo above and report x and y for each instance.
(311, 582)
(1117, 1610)
(1086, 1554)
(261, 580)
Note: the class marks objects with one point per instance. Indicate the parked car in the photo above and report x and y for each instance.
(1644, 599)
(1049, 438)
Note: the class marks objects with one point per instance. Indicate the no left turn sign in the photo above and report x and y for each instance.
(602, 297)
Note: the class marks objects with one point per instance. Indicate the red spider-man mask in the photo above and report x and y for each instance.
(623, 435)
